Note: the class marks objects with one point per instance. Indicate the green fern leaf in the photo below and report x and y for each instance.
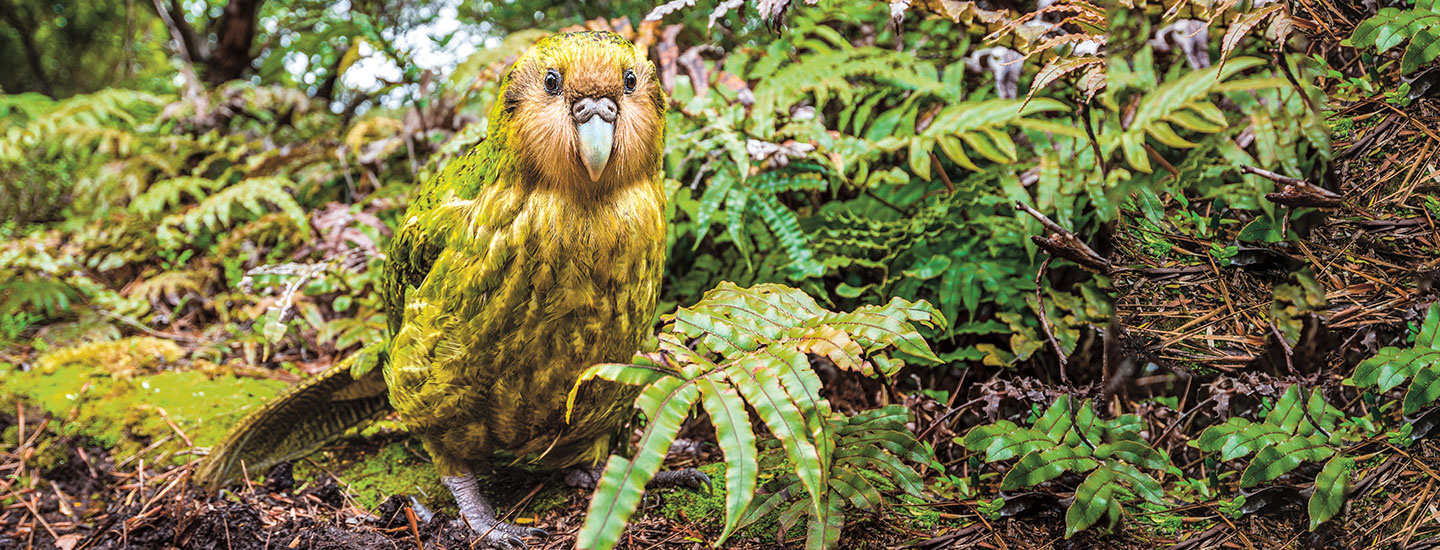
(737, 441)
(1040, 466)
(1095, 498)
(1278, 459)
(1424, 389)
(666, 402)
(1330, 488)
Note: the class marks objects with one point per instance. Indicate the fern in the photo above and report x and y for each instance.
(102, 122)
(1390, 27)
(166, 194)
(1297, 430)
(742, 347)
(214, 213)
(46, 296)
(1184, 102)
(835, 66)
(1071, 438)
(1392, 366)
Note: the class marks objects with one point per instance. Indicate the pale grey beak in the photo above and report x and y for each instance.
(597, 139)
(595, 123)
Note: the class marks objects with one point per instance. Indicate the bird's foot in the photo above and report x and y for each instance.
(500, 534)
(684, 477)
(479, 515)
(588, 478)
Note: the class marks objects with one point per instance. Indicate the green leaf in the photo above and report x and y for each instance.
(762, 390)
(1133, 144)
(1094, 498)
(1276, 460)
(1424, 47)
(1139, 482)
(1134, 452)
(666, 403)
(1041, 466)
(980, 438)
(1021, 442)
(1056, 420)
(1330, 488)
(1424, 389)
(1287, 413)
(824, 529)
(737, 441)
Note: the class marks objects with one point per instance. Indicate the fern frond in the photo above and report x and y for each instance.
(746, 348)
(1392, 366)
(214, 213)
(1390, 27)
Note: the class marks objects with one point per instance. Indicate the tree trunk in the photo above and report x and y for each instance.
(236, 31)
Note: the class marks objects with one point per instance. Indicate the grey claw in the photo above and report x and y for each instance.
(517, 542)
(709, 485)
(537, 532)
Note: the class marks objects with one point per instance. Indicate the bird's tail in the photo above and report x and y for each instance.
(302, 419)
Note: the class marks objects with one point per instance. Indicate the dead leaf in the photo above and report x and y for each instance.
(67, 542)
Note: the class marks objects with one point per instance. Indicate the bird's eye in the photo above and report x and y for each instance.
(552, 82)
(629, 81)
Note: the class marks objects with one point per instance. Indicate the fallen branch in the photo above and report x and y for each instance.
(1296, 192)
(1061, 242)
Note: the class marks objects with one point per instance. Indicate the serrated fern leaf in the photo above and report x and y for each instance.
(1278, 459)
(214, 213)
(1391, 366)
(743, 349)
(737, 440)
(165, 194)
(1040, 466)
(1103, 493)
(1390, 27)
(665, 403)
(1330, 488)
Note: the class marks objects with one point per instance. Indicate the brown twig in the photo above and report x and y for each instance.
(414, 530)
(1065, 244)
(1299, 381)
(1295, 192)
(944, 178)
(1045, 321)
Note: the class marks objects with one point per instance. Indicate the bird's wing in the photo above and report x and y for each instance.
(425, 232)
(463, 300)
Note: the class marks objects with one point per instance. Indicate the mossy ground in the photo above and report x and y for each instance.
(131, 414)
(126, 413)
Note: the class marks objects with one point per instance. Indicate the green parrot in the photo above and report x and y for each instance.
(533, 256)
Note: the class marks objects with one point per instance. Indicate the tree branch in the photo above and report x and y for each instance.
(191, 50)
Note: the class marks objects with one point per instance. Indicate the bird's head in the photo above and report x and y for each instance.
(584, 110)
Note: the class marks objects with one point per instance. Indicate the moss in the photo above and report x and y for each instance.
(401, 467)
(705, 511)
(121, 358)
(372, 475)
(127, 415)
(48, 455)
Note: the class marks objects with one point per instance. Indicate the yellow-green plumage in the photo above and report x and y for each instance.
(513, 270)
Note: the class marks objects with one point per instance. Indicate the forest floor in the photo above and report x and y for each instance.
(130, 504)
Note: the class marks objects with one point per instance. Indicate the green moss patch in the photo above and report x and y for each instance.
(127, 415)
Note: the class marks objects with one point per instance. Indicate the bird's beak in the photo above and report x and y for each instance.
(595, 123)
(597, 138)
